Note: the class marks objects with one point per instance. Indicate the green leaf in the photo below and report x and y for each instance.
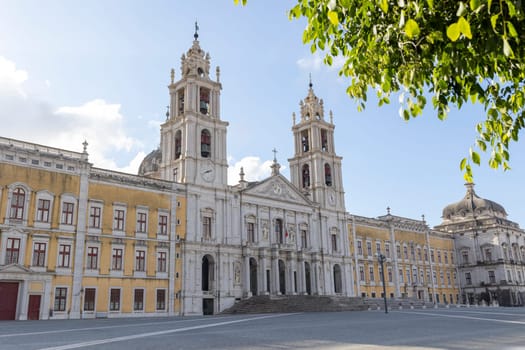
(475, 157)
(474, 4)
(332, 16)
(461, 9)
(384, 5)
(411, 28)
(507, 50)
(453, 31)
(463, 163)
(493, 20)
(512, 31)
(464, 27)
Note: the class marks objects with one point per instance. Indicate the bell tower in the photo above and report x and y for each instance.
(315, 167)
(193, 137)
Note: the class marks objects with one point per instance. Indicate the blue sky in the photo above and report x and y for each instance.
(98, 70)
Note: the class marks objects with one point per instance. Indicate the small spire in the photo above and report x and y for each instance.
(293, 118)
(275, 166)
(274, 155)
(85, 144)
(423, 218)
(167, 112)
(172, 75)
(196, 35)
(241, 174)
(310, 81)
(218, 74)
(331, 117)
(388, 210)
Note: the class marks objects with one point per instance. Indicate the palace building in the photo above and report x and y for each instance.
(77, 241)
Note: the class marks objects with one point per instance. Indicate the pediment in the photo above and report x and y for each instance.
(15, 268)
(277, 187)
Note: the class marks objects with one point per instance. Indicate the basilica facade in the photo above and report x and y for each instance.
(77, 241)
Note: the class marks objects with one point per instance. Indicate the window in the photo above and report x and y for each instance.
(250, 228)
(378, 247)
(114, 299)
(425, 251)
(446, 257)
(180, 95)
(89, 299)
(398, 251)
(371, 273)
(432, 256)
(509, 275)
(279, 230)
(92, 258)
(140, 260)
(204, 100)
(401, 279)
(138, 300)
(412, 253)
(488, 254)
(414, 275)
(116, 260)
(206, 227)
(306, 176)
(67, 213)
(419, 253)
(369, 249)
(464, 255)
(142, 222)
(17, 204)
(324, 140)
(163, 224)
(389, 271)
(60, 299)
(452, 258)
(441, 278)
(448, 278)
(327, 175)
(361, 273)
(468, 278)
(305, 142)
(178, 144)
(405, 252)
(408, 276)
(161, 299)
(39, 254)
(359, 248)
(94, 217)
(387, 250)
(439, 256)
(304, 239)
(161, 262)
(334, 242)
(12, 251)
(118, 219)
(205, 143)
(64, 255)
(42, 210)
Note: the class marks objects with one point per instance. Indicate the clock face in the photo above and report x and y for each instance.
(207, 173)
(277, 188)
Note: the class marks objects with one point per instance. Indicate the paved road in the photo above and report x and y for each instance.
(474, 328)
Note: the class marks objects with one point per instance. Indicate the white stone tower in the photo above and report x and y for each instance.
(193, 138)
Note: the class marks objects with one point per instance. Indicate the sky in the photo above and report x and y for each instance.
(98, 70)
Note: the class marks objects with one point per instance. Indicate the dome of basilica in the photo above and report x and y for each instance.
(150, 163)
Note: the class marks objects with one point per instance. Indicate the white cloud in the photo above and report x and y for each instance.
(254, 169)
(25, 117)
(315, 62)
(11, 78)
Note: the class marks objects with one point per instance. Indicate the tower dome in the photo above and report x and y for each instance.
(150, 163)
(472, 207)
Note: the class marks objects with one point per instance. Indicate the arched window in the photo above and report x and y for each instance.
(17, 204)
(204, 100)
(305, 141)
(205, 143)
(178, 144)
(324, 140)
(207, 273)
(338, 285)
(327, 174)
(279, 230)
(306, 176)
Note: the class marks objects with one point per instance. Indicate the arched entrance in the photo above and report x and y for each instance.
(282, 281)
(207, 284)
(338, 285)
(307, 278)
(253, 276)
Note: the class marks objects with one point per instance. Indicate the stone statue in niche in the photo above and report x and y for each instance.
(265, 231)
(237, 272)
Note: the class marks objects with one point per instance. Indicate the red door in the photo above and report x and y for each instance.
(33, 309)
(8, 299)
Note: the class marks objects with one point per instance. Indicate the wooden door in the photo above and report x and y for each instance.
(33, 309)
(9, 293)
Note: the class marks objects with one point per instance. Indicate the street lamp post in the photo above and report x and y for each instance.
(382, 260)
